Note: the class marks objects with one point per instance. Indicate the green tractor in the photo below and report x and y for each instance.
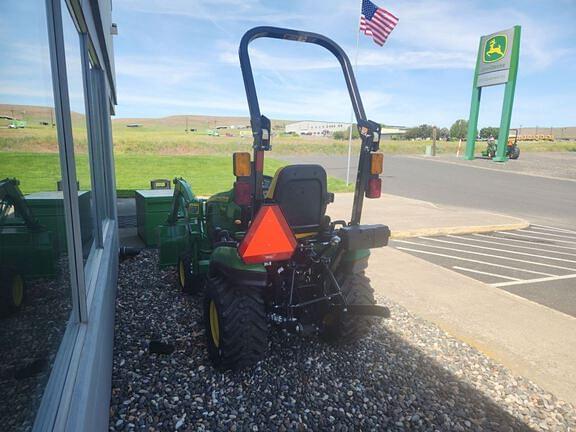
(265, 253)
(512, 148)
(26, 247)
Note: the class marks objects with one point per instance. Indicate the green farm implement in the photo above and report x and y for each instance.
(265, 252)
(26, 247)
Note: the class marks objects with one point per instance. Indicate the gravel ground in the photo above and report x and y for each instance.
(29, 340)
(406, 375)
(559, 165)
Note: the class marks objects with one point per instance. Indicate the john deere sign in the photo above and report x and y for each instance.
(497, 63)
(494, 58)
(495, 48)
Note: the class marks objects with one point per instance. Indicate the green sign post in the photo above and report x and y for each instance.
(497, 63)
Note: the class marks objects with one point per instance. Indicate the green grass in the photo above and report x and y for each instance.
(206, 174)
(172, 141)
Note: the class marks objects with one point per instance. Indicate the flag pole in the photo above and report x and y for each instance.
(352, 110)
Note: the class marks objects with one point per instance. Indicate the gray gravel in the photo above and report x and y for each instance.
(29, 341)
(558, 165)
(406, 375)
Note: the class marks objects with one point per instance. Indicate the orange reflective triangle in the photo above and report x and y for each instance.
(269, 238)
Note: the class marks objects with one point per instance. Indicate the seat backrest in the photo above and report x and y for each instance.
(302, 194)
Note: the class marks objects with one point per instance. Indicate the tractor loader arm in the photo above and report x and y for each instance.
(182, 198)
(11, 195)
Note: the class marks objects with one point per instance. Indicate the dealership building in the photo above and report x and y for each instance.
(315, 128)
(57, 72)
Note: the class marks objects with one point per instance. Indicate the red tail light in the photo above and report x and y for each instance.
(374, 187)
(269, 238)
(242, 194)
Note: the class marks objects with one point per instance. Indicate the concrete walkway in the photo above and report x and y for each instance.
(412, 218)
(533, 341)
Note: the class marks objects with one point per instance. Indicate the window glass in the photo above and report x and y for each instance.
(79, 130)
(100, 137)
(35, 291)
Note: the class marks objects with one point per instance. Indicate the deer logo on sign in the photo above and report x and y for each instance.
(495, 48)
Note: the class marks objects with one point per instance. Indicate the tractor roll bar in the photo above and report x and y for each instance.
(298, 36)
(261, 131)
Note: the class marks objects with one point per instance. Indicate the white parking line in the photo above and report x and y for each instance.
(528, 281)
(513, 245)
(571, 269)
(553, 228)
(474, 261)
(534, 237)
(485, 273)
(550, 232)
(496, 249)
(569, 236)
(522, 241)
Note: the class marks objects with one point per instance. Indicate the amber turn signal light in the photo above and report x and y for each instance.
(376, 163)
(242, 166)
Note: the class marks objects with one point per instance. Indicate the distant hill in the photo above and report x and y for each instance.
(34, 114)
(194, 121)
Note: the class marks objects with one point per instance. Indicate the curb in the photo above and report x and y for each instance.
(457, 230)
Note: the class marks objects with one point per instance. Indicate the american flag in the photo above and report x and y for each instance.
(376, 22)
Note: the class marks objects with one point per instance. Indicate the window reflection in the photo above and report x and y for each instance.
(34, 278)
(79, 130)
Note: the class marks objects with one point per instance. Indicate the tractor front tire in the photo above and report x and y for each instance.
(344, 328)
(12, 291)
(235, 322)
(188, 281)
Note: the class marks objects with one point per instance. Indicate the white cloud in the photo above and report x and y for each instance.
(253, 11)
(453, 29)
(168, 69)
(14, 88)
(396, 59)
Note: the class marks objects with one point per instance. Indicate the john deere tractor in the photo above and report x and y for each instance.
(512, 149)
(26, 247)
(265, 253)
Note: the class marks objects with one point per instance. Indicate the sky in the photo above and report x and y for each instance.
(181, 57)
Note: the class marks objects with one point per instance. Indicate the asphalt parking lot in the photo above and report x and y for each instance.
(537, 263)
(538, 187)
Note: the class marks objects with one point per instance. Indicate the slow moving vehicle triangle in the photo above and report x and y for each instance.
(269, 237)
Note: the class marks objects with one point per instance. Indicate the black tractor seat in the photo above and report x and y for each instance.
(301, 191)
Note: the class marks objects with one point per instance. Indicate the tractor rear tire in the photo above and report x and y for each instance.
(189, 282)
(235, 322)
(12, 291)
(515, 153)
(345, 328)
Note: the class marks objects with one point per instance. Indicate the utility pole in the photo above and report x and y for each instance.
(433, 140)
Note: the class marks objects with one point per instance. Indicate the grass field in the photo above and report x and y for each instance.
(168, 136)
(206, 174)
(161, 148)
(165, 140)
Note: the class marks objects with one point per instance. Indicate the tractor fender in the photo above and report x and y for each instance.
(225, 260)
